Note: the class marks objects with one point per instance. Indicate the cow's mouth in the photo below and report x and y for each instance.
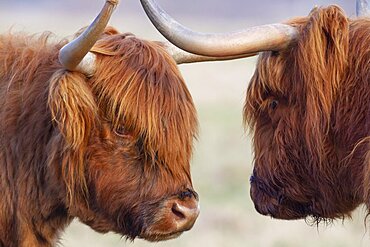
(156, 237)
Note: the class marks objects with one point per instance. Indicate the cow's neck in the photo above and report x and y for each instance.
(43, 231)
(32, 207)
(352, 131)
(23, 224)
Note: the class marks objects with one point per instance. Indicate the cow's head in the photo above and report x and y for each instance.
(299, 167)
(126, 132)
(289, 106)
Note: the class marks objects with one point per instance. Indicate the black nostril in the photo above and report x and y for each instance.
(253, 177)
(186, 194)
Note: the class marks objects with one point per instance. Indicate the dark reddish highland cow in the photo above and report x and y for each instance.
(308, 105)
(103, 134)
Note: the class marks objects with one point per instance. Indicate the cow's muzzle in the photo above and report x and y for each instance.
(177, 215)
(275, 202)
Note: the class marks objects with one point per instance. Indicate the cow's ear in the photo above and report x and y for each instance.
(72, 107)
(321, 64)
(74, 111)
(323, 49)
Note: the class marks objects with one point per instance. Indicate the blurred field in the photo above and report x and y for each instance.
(223, 159)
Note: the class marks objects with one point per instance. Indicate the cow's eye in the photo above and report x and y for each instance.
(120, 131)
(273, 104)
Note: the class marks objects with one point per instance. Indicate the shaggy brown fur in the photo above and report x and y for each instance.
(309, 109)
(112, 150)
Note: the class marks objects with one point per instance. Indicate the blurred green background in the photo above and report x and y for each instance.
(222, 160)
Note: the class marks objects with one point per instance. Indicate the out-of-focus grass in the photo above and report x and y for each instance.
(222, 159)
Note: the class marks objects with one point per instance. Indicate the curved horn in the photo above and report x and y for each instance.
(247, 41)
(75, 56)
(362, 8)
(181, 56)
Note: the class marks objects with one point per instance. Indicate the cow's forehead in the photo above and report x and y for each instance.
(144, 90)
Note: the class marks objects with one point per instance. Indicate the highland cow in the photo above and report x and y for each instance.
(308, 105)
(106, 140)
